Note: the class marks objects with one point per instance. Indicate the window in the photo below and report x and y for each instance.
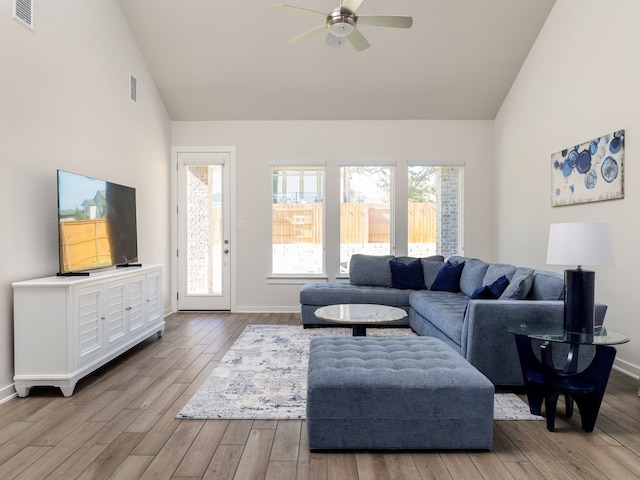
(365, 211)
(297, 220)
(428, 221)
(435, 210)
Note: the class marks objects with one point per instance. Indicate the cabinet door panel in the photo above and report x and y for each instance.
(90, 334)
(154, 297)
(135, 303)
(115, 316)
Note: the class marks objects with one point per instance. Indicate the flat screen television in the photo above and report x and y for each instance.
(96, 224)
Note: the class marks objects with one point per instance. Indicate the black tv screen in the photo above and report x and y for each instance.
(96, 223)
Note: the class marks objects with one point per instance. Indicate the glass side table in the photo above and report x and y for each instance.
(545, 382)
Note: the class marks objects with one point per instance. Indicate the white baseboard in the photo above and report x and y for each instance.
(247, 309)
(251, 309)
(627, 368)
(7, 393)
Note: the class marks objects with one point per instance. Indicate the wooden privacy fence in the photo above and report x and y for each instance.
(298, 223)
(364, 223)
(422, 223)
(84, 244)
(359, 223)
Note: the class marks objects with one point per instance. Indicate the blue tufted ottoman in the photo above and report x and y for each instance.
(395, 393)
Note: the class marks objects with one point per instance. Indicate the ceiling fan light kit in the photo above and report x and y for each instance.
(342, 22)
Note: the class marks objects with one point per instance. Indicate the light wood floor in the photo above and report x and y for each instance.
(120, 423)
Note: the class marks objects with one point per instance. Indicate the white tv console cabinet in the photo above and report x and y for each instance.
(67, 327)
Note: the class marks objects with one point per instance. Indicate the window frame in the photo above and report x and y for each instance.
(295, 277)
(460, 196)
(392, 203)
(331, 190)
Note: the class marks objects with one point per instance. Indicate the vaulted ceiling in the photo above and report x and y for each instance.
(230, 60)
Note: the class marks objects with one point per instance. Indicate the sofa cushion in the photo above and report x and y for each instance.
(407, 275)
(371, 270)
(520, 279)
(445, 310)
(394, 297)
(519, 284)
(455, 259)
(497, 270)
(547, 286)
(435, 258)
(448, 278)
(405, 260)
(493, 291)
(430, 270)
(321, 294)
(473, 275)
(430, 267)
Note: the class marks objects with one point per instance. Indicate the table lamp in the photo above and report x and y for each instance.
(579, 244)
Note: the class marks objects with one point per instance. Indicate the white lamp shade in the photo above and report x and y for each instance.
(580, 244)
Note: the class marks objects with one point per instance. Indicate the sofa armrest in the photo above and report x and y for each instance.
(487, 344)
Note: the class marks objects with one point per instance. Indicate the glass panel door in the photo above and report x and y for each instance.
(203, 244)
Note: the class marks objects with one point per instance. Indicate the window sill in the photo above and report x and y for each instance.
(296, 279)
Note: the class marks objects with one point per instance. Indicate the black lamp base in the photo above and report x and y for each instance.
(579, 305)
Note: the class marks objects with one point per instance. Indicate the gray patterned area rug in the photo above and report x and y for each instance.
(264, 376)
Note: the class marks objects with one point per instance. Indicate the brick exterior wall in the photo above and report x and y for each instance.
(448, 212)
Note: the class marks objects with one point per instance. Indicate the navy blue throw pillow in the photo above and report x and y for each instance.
(448, 277)
(493, 291)
(408, 275)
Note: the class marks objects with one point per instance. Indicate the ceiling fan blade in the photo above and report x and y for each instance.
(351, 5)
(309, 34)
(385, 21)
(357, 40)
(304, 11)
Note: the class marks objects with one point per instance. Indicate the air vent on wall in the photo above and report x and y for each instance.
(23, 12)
(133, 88)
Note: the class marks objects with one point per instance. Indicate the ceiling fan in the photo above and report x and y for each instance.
(342, 22)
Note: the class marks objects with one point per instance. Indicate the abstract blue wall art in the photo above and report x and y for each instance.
(590, 172)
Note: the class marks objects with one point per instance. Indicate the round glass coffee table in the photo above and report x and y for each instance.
(360, 315)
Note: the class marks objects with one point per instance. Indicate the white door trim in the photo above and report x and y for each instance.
(231, 151)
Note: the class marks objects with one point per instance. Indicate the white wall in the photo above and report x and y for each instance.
(580, 81)
(64, 104)
(261, 142)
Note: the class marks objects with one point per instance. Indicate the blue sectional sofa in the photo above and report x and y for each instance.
(470, 317)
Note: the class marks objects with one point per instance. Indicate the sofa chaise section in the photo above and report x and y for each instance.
(370, 282)
(316, 295)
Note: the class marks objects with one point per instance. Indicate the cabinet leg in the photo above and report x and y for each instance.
(22, 389)
(67, 388)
